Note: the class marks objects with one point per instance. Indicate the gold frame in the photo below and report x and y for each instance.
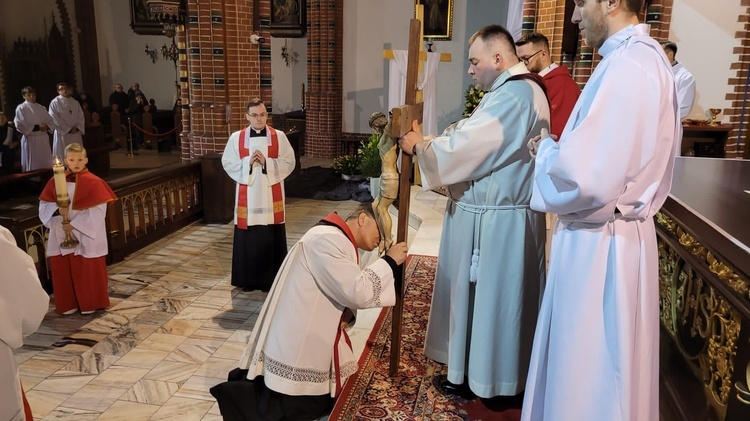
(446, 15)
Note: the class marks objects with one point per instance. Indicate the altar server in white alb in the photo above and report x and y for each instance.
(299, 344)
(23, 304)
(683, 80)
(258, 158)
(596, 347)
(69, 121)
(33, 121)
(490, 272)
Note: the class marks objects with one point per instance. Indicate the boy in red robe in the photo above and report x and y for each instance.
(79, 274)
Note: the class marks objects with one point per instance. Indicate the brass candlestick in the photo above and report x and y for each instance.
(63, 200)
(70, 241)
(714, 112)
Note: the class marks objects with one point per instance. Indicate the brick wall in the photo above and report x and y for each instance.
(737, 143)
(220, 70)
(324, 108)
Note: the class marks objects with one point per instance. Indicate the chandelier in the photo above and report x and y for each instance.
(171, 14)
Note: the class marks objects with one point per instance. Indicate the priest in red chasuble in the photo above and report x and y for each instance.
(258, 158)
(562, 91)
(79, 274)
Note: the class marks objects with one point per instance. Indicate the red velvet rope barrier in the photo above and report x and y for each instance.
(154, 134)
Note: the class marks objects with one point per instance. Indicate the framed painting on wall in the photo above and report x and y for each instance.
(438, 19)
(140, 19)
(288, 18)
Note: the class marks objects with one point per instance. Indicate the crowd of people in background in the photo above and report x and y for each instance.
(25, 141)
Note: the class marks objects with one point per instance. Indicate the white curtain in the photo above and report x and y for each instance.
(515, 18)
(397, 87)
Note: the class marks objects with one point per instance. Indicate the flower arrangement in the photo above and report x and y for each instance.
(473, 96)
(370, 164)
(347, 164)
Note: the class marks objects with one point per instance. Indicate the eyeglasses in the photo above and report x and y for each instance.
(261, 115)
(525, 60)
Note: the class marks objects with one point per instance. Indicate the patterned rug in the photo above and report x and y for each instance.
(371, 394)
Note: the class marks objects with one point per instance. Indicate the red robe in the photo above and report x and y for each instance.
(80, 282)
(90, 190)
(563, 93)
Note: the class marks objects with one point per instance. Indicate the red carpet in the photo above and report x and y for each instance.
(414, 395)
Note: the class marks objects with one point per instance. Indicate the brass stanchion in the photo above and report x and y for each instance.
(131, 141)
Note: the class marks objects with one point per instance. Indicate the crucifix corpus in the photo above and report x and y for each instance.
(401, 118)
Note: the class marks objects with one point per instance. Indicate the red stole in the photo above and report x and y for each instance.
(334, 219)
(90, 190)
(277, 197)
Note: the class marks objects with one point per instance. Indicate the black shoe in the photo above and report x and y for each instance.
(461, 390)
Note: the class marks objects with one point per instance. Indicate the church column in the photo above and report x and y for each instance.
(737, 143)
(528, 24)
(220, 72)
(324, 97)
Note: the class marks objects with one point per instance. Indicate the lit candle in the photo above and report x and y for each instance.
(61, 186)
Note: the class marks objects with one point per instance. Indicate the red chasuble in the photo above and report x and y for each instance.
(90, 190)
(277, 198)
(563, 93)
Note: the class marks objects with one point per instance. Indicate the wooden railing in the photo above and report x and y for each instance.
(704, 292)
(150, 206)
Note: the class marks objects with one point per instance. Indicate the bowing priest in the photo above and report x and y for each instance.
(490, 272)
(258, 158)
(596, 349)
(299, 355)
(70, 124)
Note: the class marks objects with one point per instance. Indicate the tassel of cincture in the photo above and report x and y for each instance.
(474, 266)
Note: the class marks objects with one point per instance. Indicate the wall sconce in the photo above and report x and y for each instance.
(290, 56)
(152, 54)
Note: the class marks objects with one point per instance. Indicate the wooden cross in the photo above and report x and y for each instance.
(400, 125)
(444, 57)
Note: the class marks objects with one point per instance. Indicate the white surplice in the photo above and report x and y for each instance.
(685, 83)
(259, 197)
(89, 228)
(23, 304)
(293, 340)
(596, 348)
(67, 113)
(35, 150)
(490, 272)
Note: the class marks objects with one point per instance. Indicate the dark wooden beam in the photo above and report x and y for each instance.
(88, 50)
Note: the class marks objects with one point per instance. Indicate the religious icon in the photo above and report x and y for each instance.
(438, 19)
(288, 18)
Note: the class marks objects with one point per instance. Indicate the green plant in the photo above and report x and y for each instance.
(473, 97)
(370, 164)
(347, 164)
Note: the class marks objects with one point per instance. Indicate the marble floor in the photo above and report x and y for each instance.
(176, 326)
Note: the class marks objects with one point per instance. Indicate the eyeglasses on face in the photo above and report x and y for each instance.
(261, 115)
(525, 60)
